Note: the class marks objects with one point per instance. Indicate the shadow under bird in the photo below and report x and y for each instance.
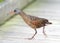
(33, 21)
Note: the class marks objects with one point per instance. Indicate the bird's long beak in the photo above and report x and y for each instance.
(12, 12)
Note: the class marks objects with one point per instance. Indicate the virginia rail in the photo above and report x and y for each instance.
(33, 21)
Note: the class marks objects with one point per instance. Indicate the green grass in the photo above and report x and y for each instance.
(1, 0)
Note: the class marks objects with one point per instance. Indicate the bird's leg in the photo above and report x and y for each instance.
(33, 35)
(44, 31)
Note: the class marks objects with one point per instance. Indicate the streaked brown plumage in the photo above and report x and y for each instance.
(32, 21)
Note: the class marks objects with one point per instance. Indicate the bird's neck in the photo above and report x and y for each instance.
(23, 15)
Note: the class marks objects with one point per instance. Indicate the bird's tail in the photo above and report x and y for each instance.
(48, 23)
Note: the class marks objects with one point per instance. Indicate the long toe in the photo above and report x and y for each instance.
(29, 38)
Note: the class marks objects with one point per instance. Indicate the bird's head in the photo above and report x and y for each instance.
(15, 11)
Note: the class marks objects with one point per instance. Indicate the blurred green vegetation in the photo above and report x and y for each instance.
(15, 19)
(15, 14)
(1, 0)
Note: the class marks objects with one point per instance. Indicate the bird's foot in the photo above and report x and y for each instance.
(45, 35)
(28, 38)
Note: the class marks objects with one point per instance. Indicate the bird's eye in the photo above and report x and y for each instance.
(17, 11)
(14, 10)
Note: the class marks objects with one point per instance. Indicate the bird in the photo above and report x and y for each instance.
(33, 21)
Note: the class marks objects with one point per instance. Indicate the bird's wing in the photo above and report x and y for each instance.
(37, 20)
(33, 17)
